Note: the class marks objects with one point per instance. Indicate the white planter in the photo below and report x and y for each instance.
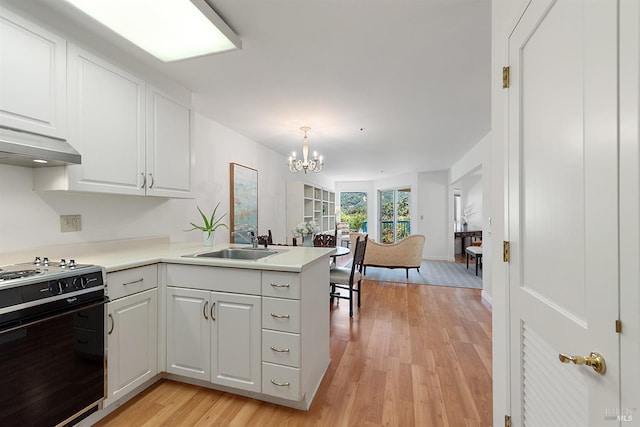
(208, 238)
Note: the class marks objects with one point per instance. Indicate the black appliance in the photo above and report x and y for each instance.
(52, 342)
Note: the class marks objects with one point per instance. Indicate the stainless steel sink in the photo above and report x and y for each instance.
(236, 253)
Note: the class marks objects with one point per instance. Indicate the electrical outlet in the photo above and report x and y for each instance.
(70, 223)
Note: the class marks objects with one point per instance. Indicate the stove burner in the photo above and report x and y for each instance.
(9, 275)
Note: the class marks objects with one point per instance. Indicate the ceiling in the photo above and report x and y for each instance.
(387, 86)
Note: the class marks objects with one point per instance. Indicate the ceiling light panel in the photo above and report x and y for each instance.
(168, 29)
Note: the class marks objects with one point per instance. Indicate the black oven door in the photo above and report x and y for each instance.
(52, 365)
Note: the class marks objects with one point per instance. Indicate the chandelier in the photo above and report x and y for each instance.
(305, 164)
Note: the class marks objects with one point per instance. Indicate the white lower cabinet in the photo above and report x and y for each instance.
(132, 342)
(214, 336)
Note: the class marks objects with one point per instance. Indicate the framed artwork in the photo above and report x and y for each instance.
(244, 203)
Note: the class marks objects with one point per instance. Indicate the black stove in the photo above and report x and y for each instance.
(41, 281)
(52, 342)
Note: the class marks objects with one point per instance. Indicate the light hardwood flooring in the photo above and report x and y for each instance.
(413, 355)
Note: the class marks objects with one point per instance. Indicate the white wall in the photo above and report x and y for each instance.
(30, 220)
(471, 186)
(217, 147)
(434, 213)
(471, 161)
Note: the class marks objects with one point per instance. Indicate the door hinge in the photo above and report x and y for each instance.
(506, 251)
(507, 421)
(505, 77)
(618, 326)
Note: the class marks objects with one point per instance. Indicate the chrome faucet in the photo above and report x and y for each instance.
(254, 240)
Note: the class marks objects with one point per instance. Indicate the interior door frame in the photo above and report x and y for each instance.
(629, 190)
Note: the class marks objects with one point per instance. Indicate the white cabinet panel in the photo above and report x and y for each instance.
(281, 347)
(281, 314)
(168, 146)
(126, 282)
(132, 342)
(188, 333)
(235, 341)
(281, 381)
(33, 71)
(106, 125)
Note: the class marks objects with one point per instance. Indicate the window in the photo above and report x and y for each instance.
(457, 210)
(395, 215)
(353, 209)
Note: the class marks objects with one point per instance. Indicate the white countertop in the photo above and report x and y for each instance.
(115, 256)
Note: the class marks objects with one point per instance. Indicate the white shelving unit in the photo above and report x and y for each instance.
(307, 202)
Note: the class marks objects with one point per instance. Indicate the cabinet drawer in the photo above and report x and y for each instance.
(128, 282)
(281, 314)
(281, 347)
(280, 284)
(281, 381)
(235, 280)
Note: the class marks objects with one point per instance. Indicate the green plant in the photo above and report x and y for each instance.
(210, 224)
(356, 220)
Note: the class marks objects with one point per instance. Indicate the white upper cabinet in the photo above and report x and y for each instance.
(134, 138)
(168, 145)
(32, 77)
(106, 125)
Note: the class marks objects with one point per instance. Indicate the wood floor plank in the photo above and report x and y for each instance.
(412, 355)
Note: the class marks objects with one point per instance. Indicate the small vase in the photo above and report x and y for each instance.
(464, 227)
(208, 238)
(307, 240)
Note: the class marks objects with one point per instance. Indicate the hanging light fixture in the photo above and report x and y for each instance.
(305, 164)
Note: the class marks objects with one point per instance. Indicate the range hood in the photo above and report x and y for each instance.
(33, 150)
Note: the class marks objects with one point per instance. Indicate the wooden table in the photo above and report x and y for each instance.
(464, 234)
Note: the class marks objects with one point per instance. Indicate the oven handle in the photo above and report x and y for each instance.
(55, 316)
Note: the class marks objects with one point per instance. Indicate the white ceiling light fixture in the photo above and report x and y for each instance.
(170, 30)
(305, 164)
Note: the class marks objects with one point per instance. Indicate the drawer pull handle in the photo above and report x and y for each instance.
(280, 384)
(280, 350)
(213, 311)
(280, 316)
(204, 310)
(278, 285)
(140, 280)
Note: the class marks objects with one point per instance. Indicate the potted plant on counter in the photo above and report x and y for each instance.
(211, 224)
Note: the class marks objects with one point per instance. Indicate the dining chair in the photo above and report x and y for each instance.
(347, 278)
(325, 240)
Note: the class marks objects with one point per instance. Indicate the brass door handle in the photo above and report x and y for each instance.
(595, 360)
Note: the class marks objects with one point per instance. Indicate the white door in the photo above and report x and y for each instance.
(188, 333)
(132, 342)
(563, 213)
(168, 146)
(236, 340)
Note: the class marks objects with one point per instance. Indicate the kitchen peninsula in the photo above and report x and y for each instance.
(257, 328)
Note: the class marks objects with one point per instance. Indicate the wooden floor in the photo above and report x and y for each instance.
(413, 355)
